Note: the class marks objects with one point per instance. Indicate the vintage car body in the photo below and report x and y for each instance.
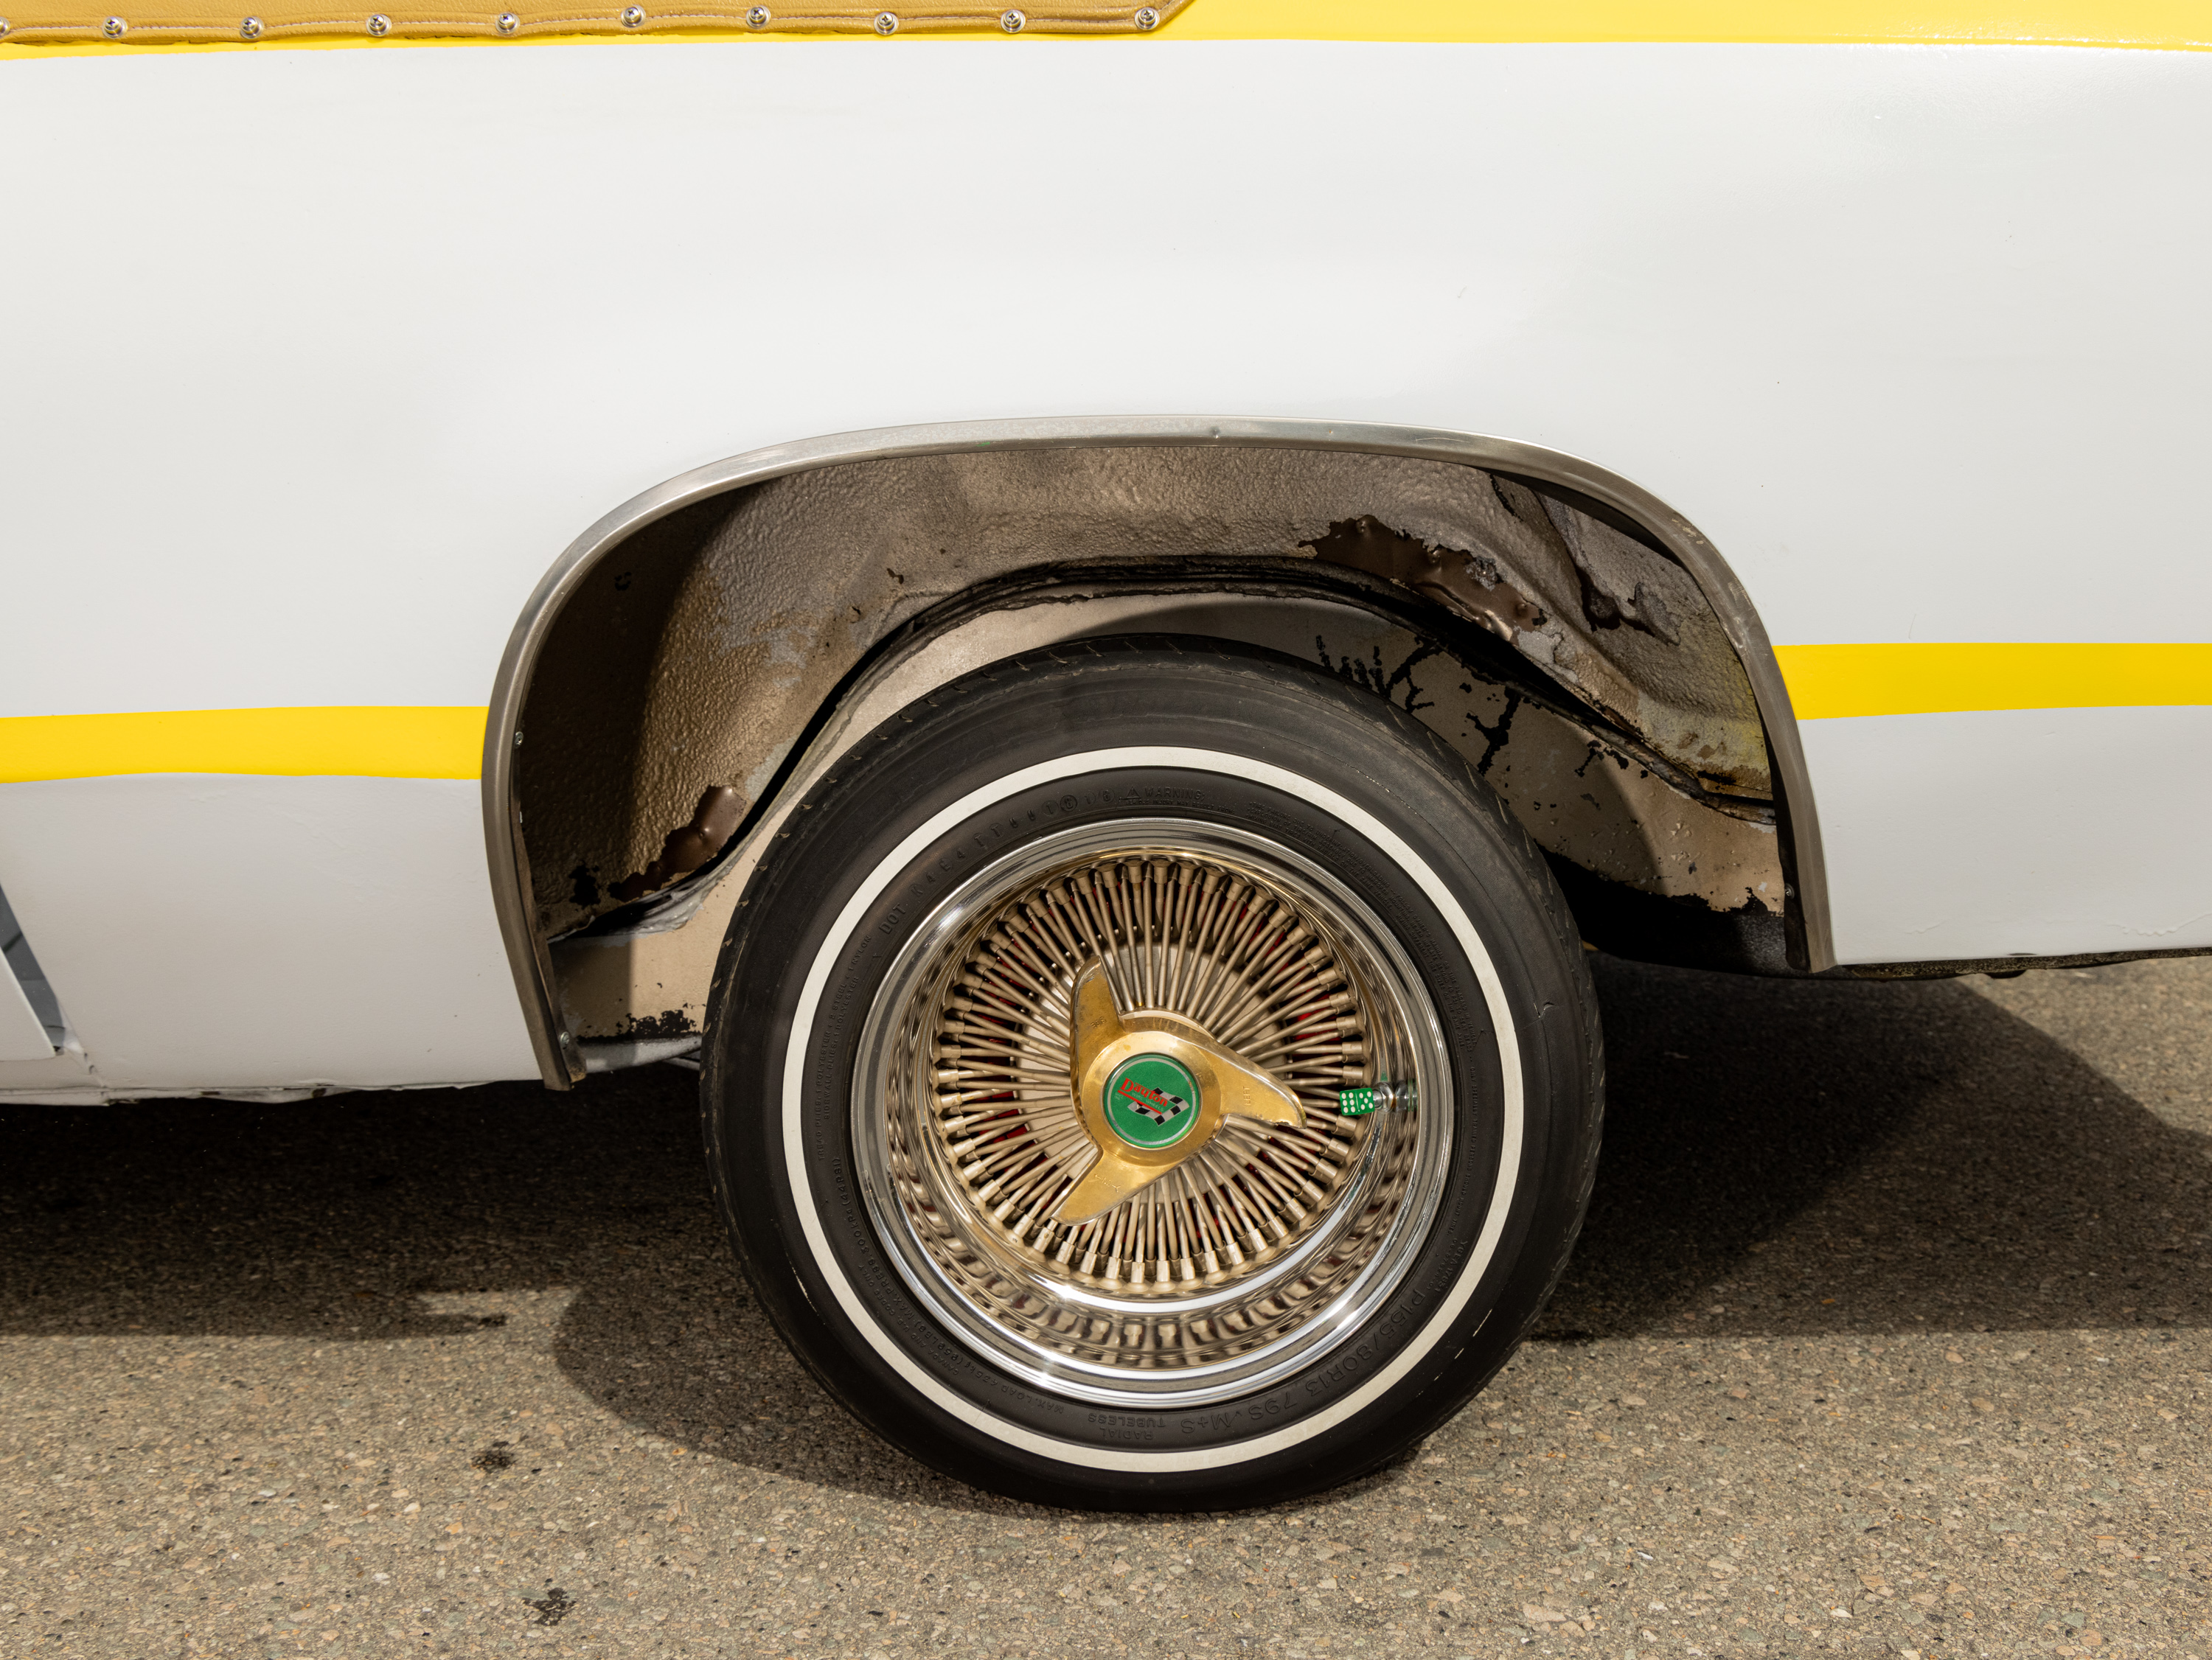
(462, 491)
(318, 358)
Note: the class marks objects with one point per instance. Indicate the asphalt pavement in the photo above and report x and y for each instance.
(1888, 1334)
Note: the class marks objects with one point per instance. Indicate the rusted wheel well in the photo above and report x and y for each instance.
(699, 651)
(691, 668)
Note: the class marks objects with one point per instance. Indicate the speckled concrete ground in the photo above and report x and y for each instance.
(1889, 1332)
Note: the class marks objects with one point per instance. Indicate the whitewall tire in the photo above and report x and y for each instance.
(1152, 1073)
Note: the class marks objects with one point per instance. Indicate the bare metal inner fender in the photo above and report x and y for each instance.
(653, 696)
(1670, 869)
(679, 677)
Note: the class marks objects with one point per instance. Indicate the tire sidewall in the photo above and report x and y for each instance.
(910, 817)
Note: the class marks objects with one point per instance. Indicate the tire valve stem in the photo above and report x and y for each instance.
(1370, 1098)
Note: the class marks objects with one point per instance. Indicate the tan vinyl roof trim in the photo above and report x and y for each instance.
(163, 22)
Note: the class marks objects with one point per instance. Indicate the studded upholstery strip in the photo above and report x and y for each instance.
(156, 22)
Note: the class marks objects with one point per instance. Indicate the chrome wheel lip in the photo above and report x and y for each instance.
(1184, 1387)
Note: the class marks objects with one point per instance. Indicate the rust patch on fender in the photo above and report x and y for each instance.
(689, 845)
(1467, 583)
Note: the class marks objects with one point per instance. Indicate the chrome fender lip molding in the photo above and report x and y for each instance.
(560, 1060)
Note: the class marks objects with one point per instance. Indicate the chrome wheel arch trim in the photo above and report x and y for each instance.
(559, 1058)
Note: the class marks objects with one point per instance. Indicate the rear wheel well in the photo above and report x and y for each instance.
(690, 669)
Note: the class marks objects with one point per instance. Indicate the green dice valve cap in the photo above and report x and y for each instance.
(1368, 1098)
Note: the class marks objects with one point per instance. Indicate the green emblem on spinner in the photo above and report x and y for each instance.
(1151, 1100)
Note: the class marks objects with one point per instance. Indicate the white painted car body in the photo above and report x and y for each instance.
(317, 360)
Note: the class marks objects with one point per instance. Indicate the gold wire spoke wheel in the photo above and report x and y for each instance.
(1256, 1224)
